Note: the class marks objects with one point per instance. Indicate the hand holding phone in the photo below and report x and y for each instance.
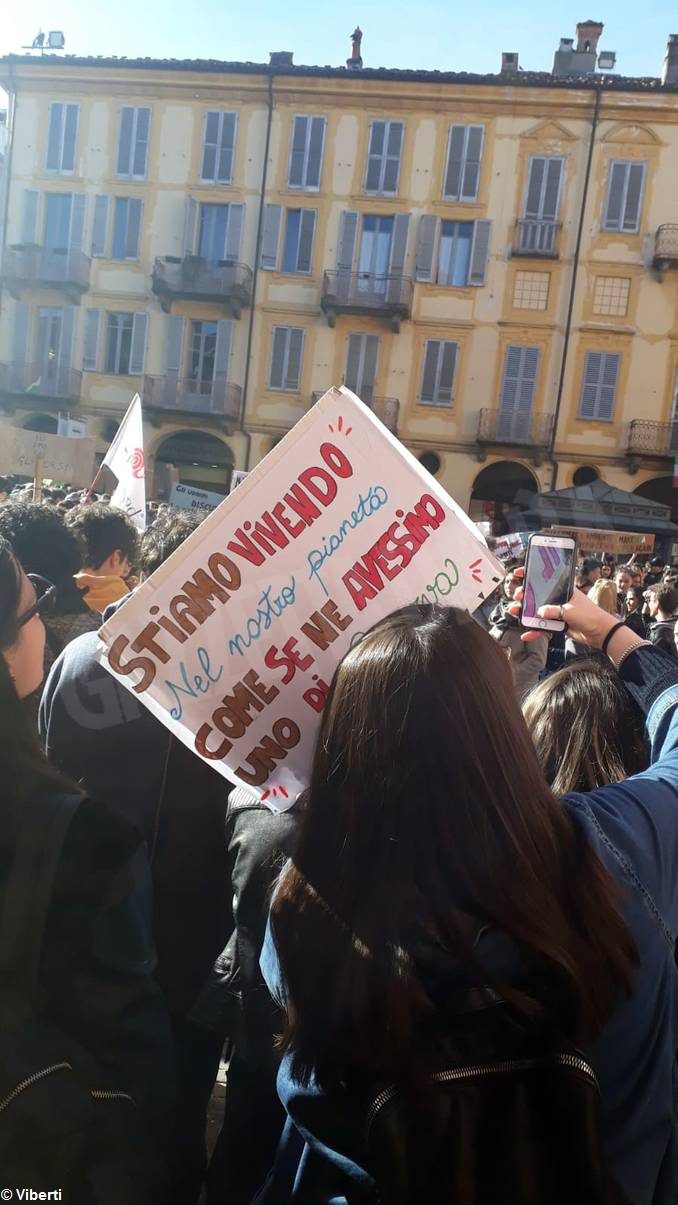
(549, 579)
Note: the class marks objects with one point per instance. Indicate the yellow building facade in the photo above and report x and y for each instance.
(491, 262)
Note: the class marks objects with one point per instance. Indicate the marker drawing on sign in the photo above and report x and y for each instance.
(376, 498)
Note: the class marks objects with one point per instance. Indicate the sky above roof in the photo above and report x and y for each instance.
(429, 35)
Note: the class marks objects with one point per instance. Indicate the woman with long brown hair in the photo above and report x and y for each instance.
(429, 826)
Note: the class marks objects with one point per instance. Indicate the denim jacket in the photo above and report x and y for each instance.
(633, 826)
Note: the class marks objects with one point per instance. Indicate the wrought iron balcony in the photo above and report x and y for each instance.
(28, 266)
(666, 248)
(194, 278)
(41, 382)
(537, 238)
(387, 297)
(647, 438)
(185, 395)
(385, 408)
(531, 431)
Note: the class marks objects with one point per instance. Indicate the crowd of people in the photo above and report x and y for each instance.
(446, 973)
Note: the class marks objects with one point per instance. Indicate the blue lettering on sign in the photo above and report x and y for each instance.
(269, 607)
(376, 498)
(200, 685)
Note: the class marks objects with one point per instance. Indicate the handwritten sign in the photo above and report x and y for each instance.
(618, 543)
(66, 460)
(232, 643)
(189, 497)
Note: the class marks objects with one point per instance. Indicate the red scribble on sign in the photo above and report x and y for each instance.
(475, 569)
(136, 460)
(340, 426)
(274, 791)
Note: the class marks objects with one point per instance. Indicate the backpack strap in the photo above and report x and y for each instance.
(43, 824)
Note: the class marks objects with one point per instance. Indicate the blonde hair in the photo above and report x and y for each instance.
(604, 594)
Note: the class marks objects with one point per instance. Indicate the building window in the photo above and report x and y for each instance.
(383, 157)
(599, 385)
(127, 228)
(62, 137)
(514, 419)
(125, 344)
(462, 170)
(133, 135)
(202, 350)
(611, 295)
(531, 290)
(298, 246)
(286, 355)
(219, 232)
(218, 148)
(452, 253)
(437, 378)
(362, 357)
(306, 153)
(626, 183)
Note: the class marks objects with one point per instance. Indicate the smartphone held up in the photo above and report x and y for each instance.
(549, 579)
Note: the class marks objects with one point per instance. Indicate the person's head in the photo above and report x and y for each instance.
(43, 545)
(634, 599)
(604, 595)
(637, 576)
(511, 583)
(607, 570)
(624, 579)
(427, 818)
(663, 601)
(582, 582)
(591, 569)
(585, 727)
(22, 632)
(164, 535)
(110, 539)
(656, 566)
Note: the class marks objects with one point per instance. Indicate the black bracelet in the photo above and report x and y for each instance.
(610, 634)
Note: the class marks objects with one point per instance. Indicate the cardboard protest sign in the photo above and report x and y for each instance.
(233, 642)
(189, 497)
(67, 460)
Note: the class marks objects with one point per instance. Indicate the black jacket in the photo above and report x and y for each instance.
(661, 633)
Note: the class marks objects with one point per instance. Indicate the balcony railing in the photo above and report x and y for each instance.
(29, 266)
(185, 395)
(537, 238)
(509, 427)
(648, 438)
(41, 381)
(666, 247)
(194, 278)
(364, 293)
(385, 408)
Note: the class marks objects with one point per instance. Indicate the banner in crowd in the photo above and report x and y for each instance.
(233, 642)
(189, 497)
(66, 461)
(618, 543)
(125, 459)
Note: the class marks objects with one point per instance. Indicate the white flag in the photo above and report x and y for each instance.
(125, 458)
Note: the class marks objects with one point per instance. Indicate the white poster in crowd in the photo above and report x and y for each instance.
(237, 478)
(125, 459)
(189, 497)
(67, 461)
(71, 428)
(233, 642)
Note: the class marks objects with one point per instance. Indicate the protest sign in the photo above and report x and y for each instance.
(233, 641)
(618, 543)
(65, 460)
(189, 497)
(237, 478)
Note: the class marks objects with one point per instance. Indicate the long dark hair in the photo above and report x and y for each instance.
(586, 729)
(24, 769)
(427, 811)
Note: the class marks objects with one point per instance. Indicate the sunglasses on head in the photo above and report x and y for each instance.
(45, 597)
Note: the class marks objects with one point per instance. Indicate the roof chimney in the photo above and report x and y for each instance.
(281, 58)
(509, 62)
(670, 72)
(588, 36)
(355, 62)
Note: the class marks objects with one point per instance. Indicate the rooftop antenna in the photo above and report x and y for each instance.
(54, 40)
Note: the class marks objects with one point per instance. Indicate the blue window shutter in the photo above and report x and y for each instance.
(294, 356)
(100, 226)
(401, 225)
(222, 351)
(66, 344)
(634, 197)
(120, 227)
(90, 346)
(348, 231)
(429, 374)
(190, 226)
(608, 386)
(174, 341)
(22, 315)
(616, 189)
(54, 132)
(29, 216)
(446, 374)
(236, 217)
(126, 123)
(270, 237)
(314, 158)
(588, 401)
(426, 241)
(470, 174)
(298, 152)
(278, 353)
(455, 162)
(138, 349)
(78, 213)
(480, 249)
(135, 208)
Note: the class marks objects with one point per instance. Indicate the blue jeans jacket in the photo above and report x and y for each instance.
(633, 826)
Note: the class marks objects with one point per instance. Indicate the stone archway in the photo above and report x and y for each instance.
(194, 458)
(501, 493)
(660, 489)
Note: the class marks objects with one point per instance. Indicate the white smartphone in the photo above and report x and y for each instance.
(549, 579)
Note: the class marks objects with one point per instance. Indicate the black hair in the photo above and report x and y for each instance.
(589, 564)
(164, 535)
(43, 545)
(103, 530)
